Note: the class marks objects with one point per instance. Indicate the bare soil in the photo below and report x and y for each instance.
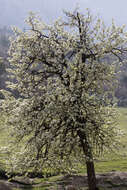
(106, 181)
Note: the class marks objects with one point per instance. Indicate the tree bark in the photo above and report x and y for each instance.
(91, 175)
(92, 183)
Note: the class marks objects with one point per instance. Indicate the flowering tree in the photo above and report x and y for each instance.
(64, 114)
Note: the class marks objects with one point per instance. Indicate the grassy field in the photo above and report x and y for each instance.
(118, 161)
(115, 161)
(111, 162)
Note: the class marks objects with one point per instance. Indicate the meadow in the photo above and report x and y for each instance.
(116, 161)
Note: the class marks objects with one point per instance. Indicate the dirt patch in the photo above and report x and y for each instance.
(112, 180)
(4, 186)
(106, 181)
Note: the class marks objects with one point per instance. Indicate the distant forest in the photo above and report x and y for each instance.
(5, 33)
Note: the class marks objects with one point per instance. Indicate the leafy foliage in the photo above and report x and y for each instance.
(65, 113)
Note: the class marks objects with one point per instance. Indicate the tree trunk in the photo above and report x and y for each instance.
(91, 175)
(92, 183)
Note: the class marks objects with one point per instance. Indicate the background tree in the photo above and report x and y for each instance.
(65, 115)
(5, 33)
(121, 91)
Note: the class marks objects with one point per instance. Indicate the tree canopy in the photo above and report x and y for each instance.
(66, 76)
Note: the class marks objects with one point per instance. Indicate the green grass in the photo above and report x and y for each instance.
(123, 118)
(114, 161)
(117, 161)
(112, 165)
